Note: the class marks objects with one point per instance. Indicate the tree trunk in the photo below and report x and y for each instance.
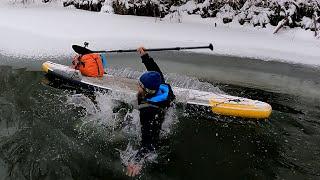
(281, 24)
(315, 25)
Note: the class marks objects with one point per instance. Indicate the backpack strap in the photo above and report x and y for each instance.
(77, 61)
(95, 59)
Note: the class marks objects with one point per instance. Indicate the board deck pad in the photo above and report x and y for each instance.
(218, 103)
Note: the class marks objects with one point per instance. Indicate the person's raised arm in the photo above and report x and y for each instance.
(149, 63)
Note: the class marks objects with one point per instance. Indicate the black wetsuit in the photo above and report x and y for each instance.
(152, 113)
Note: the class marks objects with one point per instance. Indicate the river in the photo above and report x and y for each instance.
(52, 133)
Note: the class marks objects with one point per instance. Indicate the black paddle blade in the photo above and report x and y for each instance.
(211, 47)
(81, 50)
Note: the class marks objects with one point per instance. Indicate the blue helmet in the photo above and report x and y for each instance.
(150, 81)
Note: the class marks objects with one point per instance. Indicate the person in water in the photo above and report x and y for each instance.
(154, 97)
(91, 65)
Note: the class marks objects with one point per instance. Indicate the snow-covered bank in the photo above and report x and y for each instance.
(50, 31)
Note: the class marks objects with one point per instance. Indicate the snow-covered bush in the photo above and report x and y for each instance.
(30, 1)
(137, 7)
(306, 23)
(124, 7)
(210, 8)
(175, 14)
(259, 16)
(189, 7)
(91, 5)
(226, 13)
(255, 12)
(294, 13)
(107, 7)
(262, 12)
(20, 1)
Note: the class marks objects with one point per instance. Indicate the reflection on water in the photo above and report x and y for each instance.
(50, 133)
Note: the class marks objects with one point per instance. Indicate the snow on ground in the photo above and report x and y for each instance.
(40, 31)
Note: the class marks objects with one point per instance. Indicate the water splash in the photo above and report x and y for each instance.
(176, 80)
(113, 114)
(103, 109)
(124, 72)
(116, 121)
(183, 81)
(131, 126)
(170, 120)
(128, 156)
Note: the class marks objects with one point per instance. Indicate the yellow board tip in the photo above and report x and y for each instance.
(45, 67)
(252, 111)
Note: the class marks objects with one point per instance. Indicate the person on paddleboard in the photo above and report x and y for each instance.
(91, 65)
(154, 97)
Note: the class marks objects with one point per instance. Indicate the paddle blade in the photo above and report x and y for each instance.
(81, 50)
(211, 47)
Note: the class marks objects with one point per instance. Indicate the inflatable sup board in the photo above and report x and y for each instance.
(221, 104)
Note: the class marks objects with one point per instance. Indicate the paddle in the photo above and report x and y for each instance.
(84, 50)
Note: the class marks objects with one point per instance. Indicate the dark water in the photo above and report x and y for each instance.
(41, 136)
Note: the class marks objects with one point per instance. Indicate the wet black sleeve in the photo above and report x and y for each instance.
(151, 65)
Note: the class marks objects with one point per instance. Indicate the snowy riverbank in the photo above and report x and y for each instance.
(40, 31)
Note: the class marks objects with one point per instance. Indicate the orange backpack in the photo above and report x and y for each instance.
(89, 65)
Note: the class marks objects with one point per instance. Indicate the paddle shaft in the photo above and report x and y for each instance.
(83, 50)
(156, 49)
